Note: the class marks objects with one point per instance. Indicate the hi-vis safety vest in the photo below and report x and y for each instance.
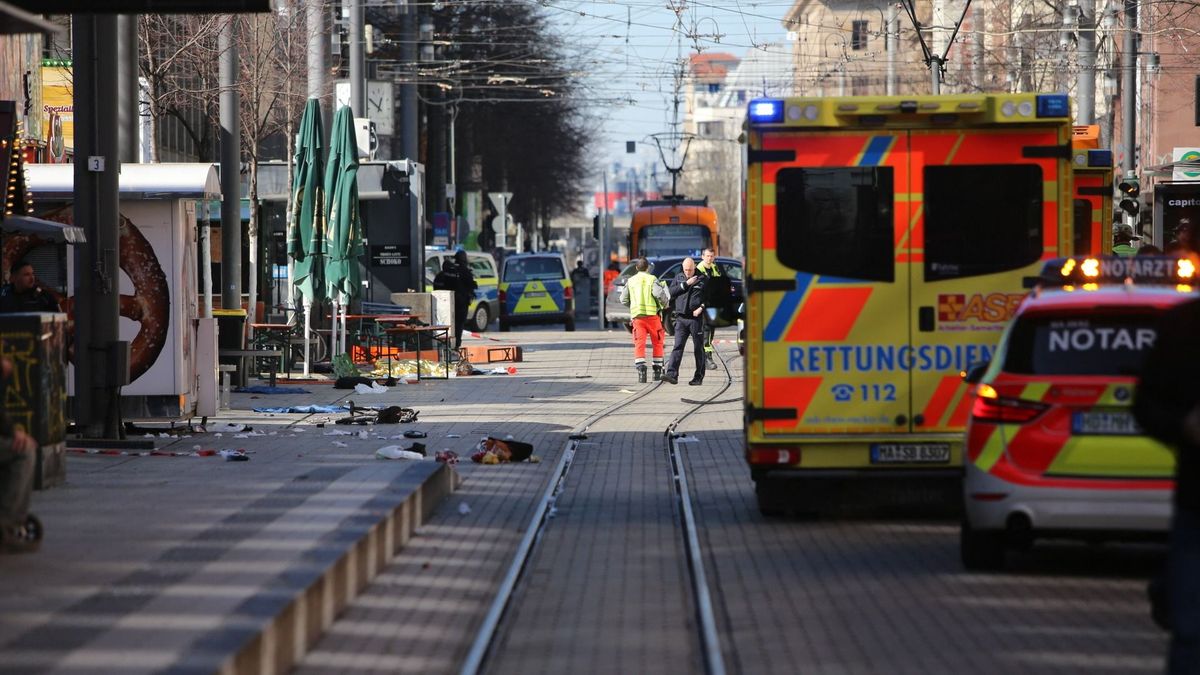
(641, 295)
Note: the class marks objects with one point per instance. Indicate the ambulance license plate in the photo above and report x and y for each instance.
(535, 294)
(1113, 423)
(901, 453)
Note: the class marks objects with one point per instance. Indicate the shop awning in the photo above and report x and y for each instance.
(46, 229)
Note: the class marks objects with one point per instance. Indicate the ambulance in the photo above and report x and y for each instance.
(1092, 201)
(1053, 449)
(887, 242)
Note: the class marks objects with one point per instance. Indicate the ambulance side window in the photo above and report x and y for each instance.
(981, 219)
(836, 221)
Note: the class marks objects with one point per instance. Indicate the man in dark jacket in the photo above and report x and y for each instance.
(23, 294)
(1167, 406)
(687, 299)
(456, 276)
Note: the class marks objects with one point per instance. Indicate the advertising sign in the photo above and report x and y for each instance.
(58, 106)
(1185, 155)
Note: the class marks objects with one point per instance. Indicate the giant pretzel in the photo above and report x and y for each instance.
(150, 305)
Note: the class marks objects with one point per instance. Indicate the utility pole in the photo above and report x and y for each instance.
(1086, 86)
(1129, 94)
(604, 235)
(891, 38)
(408, 89)
(129, 108)
(318, 43)
(98, 352)
(231, 166)
(358, 100)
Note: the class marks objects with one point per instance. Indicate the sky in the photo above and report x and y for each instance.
(629, 49)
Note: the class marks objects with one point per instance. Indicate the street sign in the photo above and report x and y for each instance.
(500, 201)
(1190, 155)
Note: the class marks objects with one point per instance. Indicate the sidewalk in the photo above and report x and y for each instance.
(194, 563)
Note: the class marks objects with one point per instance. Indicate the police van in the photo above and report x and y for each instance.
(1052, 447)
(887, 239)
(485, 306)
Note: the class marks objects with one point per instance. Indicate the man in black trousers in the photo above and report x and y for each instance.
(687, 299)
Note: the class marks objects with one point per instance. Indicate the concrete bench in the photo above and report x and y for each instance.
(246, 355)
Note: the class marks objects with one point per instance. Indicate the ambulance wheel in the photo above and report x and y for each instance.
(504, 327)
(481, 318)
(981, 550)
(772, 501)
(570, 324)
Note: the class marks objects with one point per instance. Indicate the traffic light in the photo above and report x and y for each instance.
(1130, 189)
(596, 226)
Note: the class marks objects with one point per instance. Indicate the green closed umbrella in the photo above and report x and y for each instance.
(306, 220)
(343, 228)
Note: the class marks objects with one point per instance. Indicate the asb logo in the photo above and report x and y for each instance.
(985, 307)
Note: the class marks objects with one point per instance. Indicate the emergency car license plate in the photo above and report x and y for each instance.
(1114, 423)
(900, 453)
(535, 294)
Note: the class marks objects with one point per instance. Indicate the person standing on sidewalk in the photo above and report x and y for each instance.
(457, 277)
(687, 298)
(18, 456)
(645, 298)
(1167, 406)
(708, 267)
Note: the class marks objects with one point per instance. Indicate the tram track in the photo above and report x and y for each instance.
(709, 639)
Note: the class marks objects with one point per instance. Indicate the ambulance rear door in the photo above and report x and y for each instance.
(988, 206)
(828, 290)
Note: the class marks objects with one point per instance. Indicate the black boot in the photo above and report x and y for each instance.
(641, 368)
(657, 373)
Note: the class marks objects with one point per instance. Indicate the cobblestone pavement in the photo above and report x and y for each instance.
(889, 595)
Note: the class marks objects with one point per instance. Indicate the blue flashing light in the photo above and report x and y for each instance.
(1053, 105)
(766, 111)
(1100, 158)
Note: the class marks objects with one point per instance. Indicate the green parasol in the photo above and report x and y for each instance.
(343, 229)
(306, 226)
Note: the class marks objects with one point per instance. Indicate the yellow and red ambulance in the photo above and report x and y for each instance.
(1052, 445)
(1092, 202)
(887, 239)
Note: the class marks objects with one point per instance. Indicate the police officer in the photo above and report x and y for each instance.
(708, 267)
(645, 298)
(23, 294)
(687, 298)
(456, 276)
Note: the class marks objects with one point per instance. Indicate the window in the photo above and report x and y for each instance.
(858, 35)
(836, 221)
(531, 269)
(981, 219)
(732, 271)
(1083, 227)
(1108, 344)
(668, 240)
(710, 129)
(714, 87)
(482, 268)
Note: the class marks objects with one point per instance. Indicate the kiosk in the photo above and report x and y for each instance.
(169, 366)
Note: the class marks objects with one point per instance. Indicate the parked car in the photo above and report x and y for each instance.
(535, 288)
(486, 305)
(667, 268)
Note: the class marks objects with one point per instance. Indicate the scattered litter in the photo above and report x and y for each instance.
(235, 455)
(374, 388)
(463, 509)
(446, 457)
(351, 381)
(340, 444)
(453, 435)
(306, 409)
(241, 435)
(495, 451)
(362, 434)
(502, 370)
(339, 432)
(396, 452)
(219, 435)
(205, 453)
(684, 438)
(413, 433)
(264, 389)
(228, 426)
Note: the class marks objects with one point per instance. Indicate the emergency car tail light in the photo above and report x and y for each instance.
(991, 407)
(568, 293)
(775, 456)
(503, 296)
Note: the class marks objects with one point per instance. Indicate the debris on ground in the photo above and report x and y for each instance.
(413, 433)
(265, 389)
(495, 451)
(373, 388)
(304, 409)
(229, 427)
(396, 452)
(446, 457)
(463, 509)
(502, 370)
(232, 455)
